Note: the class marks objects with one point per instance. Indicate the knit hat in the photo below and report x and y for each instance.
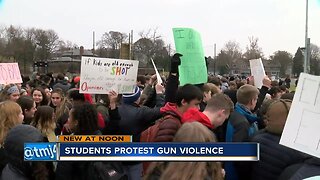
(76, 79)
(14, 145)
(131, 98)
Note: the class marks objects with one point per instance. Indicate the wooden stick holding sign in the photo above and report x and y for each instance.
(159, 80)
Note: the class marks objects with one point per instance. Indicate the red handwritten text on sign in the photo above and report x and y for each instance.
(9, 73)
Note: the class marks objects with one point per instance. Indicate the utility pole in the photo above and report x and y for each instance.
(131, 45)
(94, 43)
(214, 58)
(306, 54)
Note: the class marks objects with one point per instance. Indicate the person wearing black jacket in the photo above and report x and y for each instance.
(274, 157)
(307, 169)
(135, 119)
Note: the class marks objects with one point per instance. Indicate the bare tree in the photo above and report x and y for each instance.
(253, 51)
(112, 40)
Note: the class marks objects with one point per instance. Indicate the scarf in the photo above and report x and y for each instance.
(246, 113)
(252, 118)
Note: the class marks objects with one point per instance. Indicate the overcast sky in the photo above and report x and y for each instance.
(279, 24)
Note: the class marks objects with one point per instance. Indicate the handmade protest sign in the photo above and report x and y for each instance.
(10, 73)
(301, 131)
(193, 68)
(102, 75)
(257, 71)
(159, 80)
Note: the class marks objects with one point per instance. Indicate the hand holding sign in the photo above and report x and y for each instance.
(193, 68)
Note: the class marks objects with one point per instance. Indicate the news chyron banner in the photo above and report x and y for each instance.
(121, 148)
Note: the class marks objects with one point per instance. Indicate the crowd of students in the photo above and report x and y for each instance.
(225, 109)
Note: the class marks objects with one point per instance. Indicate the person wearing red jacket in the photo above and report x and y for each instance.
(216, 112)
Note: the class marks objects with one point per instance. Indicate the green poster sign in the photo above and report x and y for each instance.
(193, 67)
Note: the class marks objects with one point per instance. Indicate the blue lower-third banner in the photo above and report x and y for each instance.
(158, 151)
(40, 151)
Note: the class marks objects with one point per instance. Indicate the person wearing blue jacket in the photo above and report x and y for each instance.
(243, 123)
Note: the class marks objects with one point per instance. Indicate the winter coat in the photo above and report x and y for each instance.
(135, 119)
(73, 170)
(64, 85)
(193, 114)
(169, 127)
(308, 169)
(3, 159)
(274, 157)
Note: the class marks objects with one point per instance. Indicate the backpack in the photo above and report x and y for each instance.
(149, 134)
(106, 170)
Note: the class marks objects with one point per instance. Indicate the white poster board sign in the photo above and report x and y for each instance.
(159, 80)
(257, 71)
(301, 131)
(102, 75)
(10, 73)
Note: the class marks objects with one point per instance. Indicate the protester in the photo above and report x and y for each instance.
(17, 168)
(61, 111)
(232, 92)
(224, 84)
(47, 90)
(10, 116)
(62, 83)
(310, 168)
(10, 92)
(188, 133)
(288, 81)
(216, 112)
(45, 122)
(207, 94)
(141, 82)
(275, 92)
(28, 107)
(242, 123)
(135, 119)
(274, 158)
(39, 96)
(83, 121)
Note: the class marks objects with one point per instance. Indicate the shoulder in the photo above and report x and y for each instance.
(237, 118)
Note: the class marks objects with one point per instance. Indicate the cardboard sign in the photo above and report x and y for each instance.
(257, 71)
(193, 68)
(102, 75)
(10, 73)
(301, 131)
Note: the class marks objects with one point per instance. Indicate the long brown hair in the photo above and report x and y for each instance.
(62, 109)
(189, 132)
(9, 115)
(44, 120)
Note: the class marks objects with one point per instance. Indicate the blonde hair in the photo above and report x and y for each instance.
(189, 132)
(9, 118)
(62, 109)
(246, 93)
(43, 119)
(211, 87)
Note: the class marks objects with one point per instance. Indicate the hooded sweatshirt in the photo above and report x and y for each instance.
(169, 127)
(194, 114)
